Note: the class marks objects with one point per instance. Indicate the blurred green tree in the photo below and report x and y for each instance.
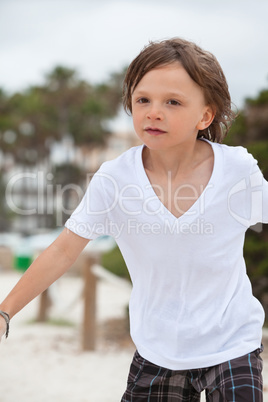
(64, 106)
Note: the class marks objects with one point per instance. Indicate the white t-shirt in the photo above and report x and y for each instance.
(191, 304)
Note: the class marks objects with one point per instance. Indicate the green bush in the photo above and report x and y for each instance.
(114, 262)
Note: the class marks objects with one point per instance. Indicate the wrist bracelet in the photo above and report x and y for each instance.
(7, 319)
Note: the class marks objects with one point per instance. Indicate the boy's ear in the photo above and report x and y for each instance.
(207, 118)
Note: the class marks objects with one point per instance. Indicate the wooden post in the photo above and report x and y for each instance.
(44, 305)
(89, 322)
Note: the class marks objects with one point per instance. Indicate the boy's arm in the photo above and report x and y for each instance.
(46, 269)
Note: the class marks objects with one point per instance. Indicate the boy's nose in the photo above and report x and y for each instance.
(155, 113)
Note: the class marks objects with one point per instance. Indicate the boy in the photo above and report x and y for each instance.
(179, 207)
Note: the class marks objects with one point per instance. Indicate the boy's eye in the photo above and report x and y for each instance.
(173, 102)
(142, 100)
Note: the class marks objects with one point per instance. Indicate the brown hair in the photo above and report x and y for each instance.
(201, 66)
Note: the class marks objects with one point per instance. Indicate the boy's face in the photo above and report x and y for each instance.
(168, 108)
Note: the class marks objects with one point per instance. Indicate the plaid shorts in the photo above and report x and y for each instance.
(237, 380)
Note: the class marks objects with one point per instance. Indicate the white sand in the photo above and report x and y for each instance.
(40, 363)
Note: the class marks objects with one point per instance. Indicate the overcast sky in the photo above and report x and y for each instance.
(98, 37)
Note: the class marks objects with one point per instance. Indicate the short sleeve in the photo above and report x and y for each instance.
(248, 192)
(258, 193)
(91, 218)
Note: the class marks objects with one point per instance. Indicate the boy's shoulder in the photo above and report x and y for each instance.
(236, 156)
(122, 164)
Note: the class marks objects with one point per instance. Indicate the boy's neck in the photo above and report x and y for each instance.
(176, 160)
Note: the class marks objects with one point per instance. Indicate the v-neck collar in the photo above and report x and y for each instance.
(199, 206)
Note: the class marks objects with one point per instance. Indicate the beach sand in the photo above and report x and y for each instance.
(45, 362)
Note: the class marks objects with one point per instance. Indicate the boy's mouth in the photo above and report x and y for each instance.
(154, 131)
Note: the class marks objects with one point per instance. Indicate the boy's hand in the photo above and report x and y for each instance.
(46, 269)
(3, 327)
